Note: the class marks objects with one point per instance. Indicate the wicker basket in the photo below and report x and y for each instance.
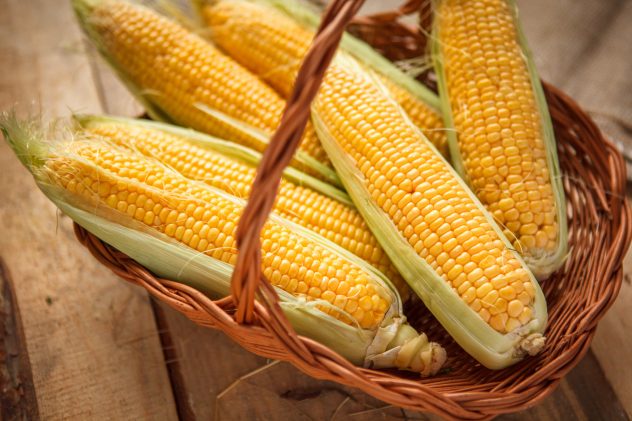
(578, 295)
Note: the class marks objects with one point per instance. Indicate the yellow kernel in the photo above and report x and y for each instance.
(526, 315)
(500, 305)
(498, 322)
(490, 298)
(487, 262)
(524, 297)
(492, 272)
(366, 303)
(484, 313)
(508, 293)
(515, 308)
(527, 241)
(455, 271)
(505, 204)
(499, 282)
(484, 290)
(469, 295)
(476, 305)
(512, 324)
(463, 287)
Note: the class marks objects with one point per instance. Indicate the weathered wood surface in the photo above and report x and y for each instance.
(96, 351)
(585, 48)
(92, 342)
(221, 381)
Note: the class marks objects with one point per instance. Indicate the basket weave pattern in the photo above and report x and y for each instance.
(600, 231)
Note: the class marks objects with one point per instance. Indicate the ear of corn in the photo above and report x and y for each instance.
(314, 205)
(184, 230)
(503, 142)
(182, 78)
(271, 43)
(436, 232)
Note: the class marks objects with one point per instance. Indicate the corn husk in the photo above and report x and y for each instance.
(83, 10)
(224, 147)
(393, 344)
(545, 264)
(491, 348)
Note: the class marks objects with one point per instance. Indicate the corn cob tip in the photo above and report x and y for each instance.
(399, 345)
(25, 138)
(84, 8)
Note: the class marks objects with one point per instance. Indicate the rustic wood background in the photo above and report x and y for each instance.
(77, 343)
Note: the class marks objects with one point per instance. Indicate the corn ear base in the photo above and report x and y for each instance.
(491, 348)
(541, 266)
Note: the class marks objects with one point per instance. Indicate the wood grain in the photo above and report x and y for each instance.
(586, 49)
(91, 339)
(221, 381)
(17, 391)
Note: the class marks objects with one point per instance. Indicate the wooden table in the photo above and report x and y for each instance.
(78, 343)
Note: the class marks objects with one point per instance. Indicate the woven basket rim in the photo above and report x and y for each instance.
(599, 215)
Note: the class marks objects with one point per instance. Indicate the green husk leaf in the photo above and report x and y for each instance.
(83, 10)
(544, 265)
(169, 259)
(489, 347)
(301, 158)
(229, 149)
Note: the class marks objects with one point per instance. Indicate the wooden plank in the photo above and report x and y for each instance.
(612, 344)
(585, 48)
(584, 394)
(17, 391)
(114, 96)
(219, 380)
(91, 339)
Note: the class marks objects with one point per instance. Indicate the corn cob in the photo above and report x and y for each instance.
(437, 234)
(185, 230)
(182, 78)
(272, 45)
(503, 142)
(335, 220)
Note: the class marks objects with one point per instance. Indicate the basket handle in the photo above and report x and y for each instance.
(395, 39)
(247, 278)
